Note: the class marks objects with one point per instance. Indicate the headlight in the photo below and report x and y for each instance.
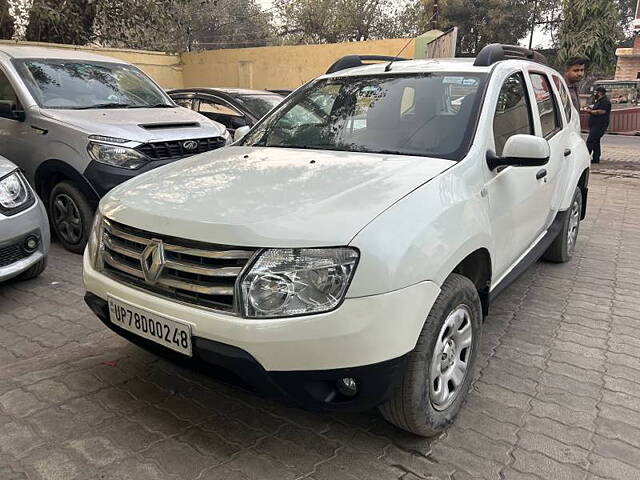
(116, 156)
(94, 244)
(291, 282)
(228, 139)
(15, 194)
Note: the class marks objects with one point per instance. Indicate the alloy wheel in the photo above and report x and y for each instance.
(66, 218)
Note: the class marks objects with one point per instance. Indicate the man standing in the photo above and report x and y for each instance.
(599, 114)
(573, 75)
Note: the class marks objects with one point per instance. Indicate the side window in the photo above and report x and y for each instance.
(7, 93)
(223, 114)
(564, 97)
(547, 107)
(513, 112)
(184, 102)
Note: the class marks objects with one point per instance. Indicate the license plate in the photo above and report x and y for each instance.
(167, 332)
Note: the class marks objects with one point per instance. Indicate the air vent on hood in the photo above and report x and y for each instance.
(162, 126)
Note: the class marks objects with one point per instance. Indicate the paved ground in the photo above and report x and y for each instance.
(557, 394)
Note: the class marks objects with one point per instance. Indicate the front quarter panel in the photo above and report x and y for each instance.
(425, 235)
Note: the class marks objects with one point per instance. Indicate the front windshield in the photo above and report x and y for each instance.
(260, 105)
(431, 114)
(76, 84)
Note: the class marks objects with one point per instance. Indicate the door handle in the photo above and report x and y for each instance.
(541, 174)
(567, 152)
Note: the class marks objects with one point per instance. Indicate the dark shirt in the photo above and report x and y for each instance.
(600, 121)
(573, 93)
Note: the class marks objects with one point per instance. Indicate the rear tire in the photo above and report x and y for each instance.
(34, 270)
(71, 216)
(438, 372)
(563, 247)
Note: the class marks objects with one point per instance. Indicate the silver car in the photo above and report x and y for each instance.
(79, 124)
(24, 228)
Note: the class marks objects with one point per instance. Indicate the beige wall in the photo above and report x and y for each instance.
(164, 68)
(275, 67)
(264, 67)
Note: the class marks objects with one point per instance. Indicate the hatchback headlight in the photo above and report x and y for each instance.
(291, 282)
(116, 155)
(94, 244)
(15, 194)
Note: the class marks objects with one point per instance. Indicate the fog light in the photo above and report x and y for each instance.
(31, 243)
(347, 386)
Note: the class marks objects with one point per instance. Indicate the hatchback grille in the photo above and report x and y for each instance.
(175, 149)
(11, 254)
(196, 273)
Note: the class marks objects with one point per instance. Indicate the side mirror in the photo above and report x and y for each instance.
(521, 151)
(7, 110)
(240, 133)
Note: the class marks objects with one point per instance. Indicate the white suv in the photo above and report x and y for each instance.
(344, 253)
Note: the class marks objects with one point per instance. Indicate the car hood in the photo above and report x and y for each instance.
(268, 197)
(139, 124)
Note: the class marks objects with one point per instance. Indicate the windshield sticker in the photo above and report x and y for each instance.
(470, 82)
(452, 80)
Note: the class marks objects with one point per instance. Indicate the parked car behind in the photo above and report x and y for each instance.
(232, 107)
(79, 124)
(346, 251)
(24, 229)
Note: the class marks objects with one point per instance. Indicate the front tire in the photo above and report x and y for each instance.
(34, 270)
(564, 245)
(438, 372)
(71, 216)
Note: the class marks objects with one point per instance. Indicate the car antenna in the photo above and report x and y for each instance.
(388, 67)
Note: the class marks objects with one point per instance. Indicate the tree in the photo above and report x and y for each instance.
(179, 25)
(332, 21)
(6, 20)
(591, 28)
(69, 21)
(479, 22)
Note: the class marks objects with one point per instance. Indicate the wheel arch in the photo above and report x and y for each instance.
(54, 171)
(476, 266)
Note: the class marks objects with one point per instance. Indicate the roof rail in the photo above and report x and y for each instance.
(351, 61)
(496, 52)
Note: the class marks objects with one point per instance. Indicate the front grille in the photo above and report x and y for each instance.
(11, 254)
(196, 273)
(175, 149)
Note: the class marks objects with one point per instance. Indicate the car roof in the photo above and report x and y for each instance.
(440, 65)
(229, 91)
(24, 51)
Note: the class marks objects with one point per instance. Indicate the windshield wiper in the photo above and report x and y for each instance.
(156, 105)
(104, 105)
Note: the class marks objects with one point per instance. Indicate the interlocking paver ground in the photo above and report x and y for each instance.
(556, 395)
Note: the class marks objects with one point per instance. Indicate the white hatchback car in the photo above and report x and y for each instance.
(344, 253)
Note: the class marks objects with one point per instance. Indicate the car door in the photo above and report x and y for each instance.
(551, 128)
(222, 112)
(16, 136)
(515, 193)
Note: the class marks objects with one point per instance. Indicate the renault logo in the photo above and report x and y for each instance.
(190, 145)
(152, 261)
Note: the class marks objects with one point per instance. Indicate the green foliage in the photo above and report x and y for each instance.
(479, 22)
(332, 21)
(53, 21)
(591, 29)
(6, 21)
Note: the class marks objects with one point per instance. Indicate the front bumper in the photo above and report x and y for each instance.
(105, 177)
(13, 232)
(366, 338)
